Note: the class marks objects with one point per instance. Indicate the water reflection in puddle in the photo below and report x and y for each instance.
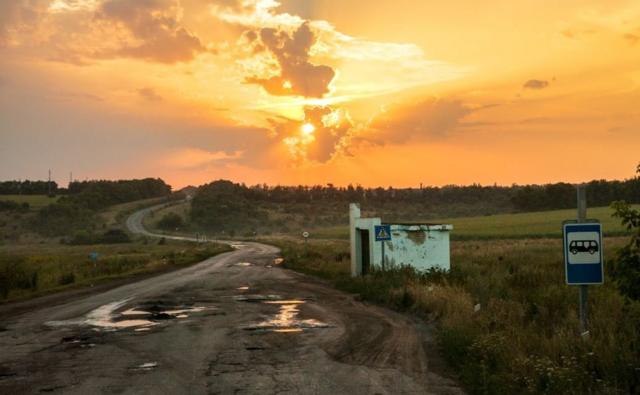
(242, 288)
(243, 264)
(286, 320)
(146, 366)
(256, 298)
(106, 318)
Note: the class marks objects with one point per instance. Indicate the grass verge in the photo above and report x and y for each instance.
(507, 323)
(25, 274)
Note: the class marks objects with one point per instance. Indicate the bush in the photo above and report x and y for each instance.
(82, 238)
(171, 221)
(115, 236)
(10, 205)
(67, 278)
(626, 268)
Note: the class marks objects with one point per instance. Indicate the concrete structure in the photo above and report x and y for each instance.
(422, 246)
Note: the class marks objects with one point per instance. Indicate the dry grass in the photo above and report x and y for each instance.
(507, 321)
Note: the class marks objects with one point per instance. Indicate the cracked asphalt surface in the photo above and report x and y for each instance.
(234, 323)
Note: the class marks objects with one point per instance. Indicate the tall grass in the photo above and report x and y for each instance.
(507, 322)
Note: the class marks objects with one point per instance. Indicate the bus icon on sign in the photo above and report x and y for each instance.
(590, 246)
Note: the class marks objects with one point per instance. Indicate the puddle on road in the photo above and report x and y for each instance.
(256, 298)
(147, 366)
(238, 246)
(242, 288)
(286, 320)
(243, 264)
(141, 318)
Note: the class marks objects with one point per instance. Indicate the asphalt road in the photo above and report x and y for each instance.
(234, 323)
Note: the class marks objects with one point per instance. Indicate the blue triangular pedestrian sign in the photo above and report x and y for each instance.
(382, 232)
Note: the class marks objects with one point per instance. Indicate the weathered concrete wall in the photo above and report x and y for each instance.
(421, 246)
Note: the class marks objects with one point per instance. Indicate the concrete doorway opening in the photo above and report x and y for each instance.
(365, 254)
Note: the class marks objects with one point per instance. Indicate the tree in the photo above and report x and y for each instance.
(627, 265)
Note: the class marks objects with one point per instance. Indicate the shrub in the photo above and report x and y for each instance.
(626, 268)
(171, 221)
(115, 236)
(67, 278)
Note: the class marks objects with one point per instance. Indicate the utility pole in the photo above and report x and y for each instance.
(584, 290)
(49, 184)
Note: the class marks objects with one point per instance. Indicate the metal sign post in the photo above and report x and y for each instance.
(584, 289)
(583, 256)
(383, 233)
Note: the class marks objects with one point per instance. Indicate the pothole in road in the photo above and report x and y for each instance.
(286, 319)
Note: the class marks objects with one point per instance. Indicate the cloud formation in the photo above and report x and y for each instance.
(156, 33)
(297, 76)
(149, 94)
(428, 119)
(321, 135)
(536, 84)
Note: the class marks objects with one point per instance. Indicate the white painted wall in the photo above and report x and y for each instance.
(420, 246)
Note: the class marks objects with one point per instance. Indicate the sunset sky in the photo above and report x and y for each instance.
(365, 92)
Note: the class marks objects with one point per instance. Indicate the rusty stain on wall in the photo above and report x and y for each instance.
(418, 237)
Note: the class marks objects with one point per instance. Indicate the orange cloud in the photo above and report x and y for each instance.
(297, 75)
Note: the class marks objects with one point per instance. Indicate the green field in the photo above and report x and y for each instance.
(504, 226)
(35, 201)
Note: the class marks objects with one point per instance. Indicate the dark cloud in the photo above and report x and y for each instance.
(155, 26)
(297, 76)
(332, 128)
(329, 135)
(631, 38)
(425, 120)
(149, 94)
(536, 84)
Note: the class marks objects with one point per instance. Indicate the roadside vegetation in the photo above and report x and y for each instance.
(507, 323)
(78, 239)
(27, 272)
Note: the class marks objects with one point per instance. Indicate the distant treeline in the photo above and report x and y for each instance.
(562, 195)
(77, 210)
(28, 187)
(516, 197)
(99, 194)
